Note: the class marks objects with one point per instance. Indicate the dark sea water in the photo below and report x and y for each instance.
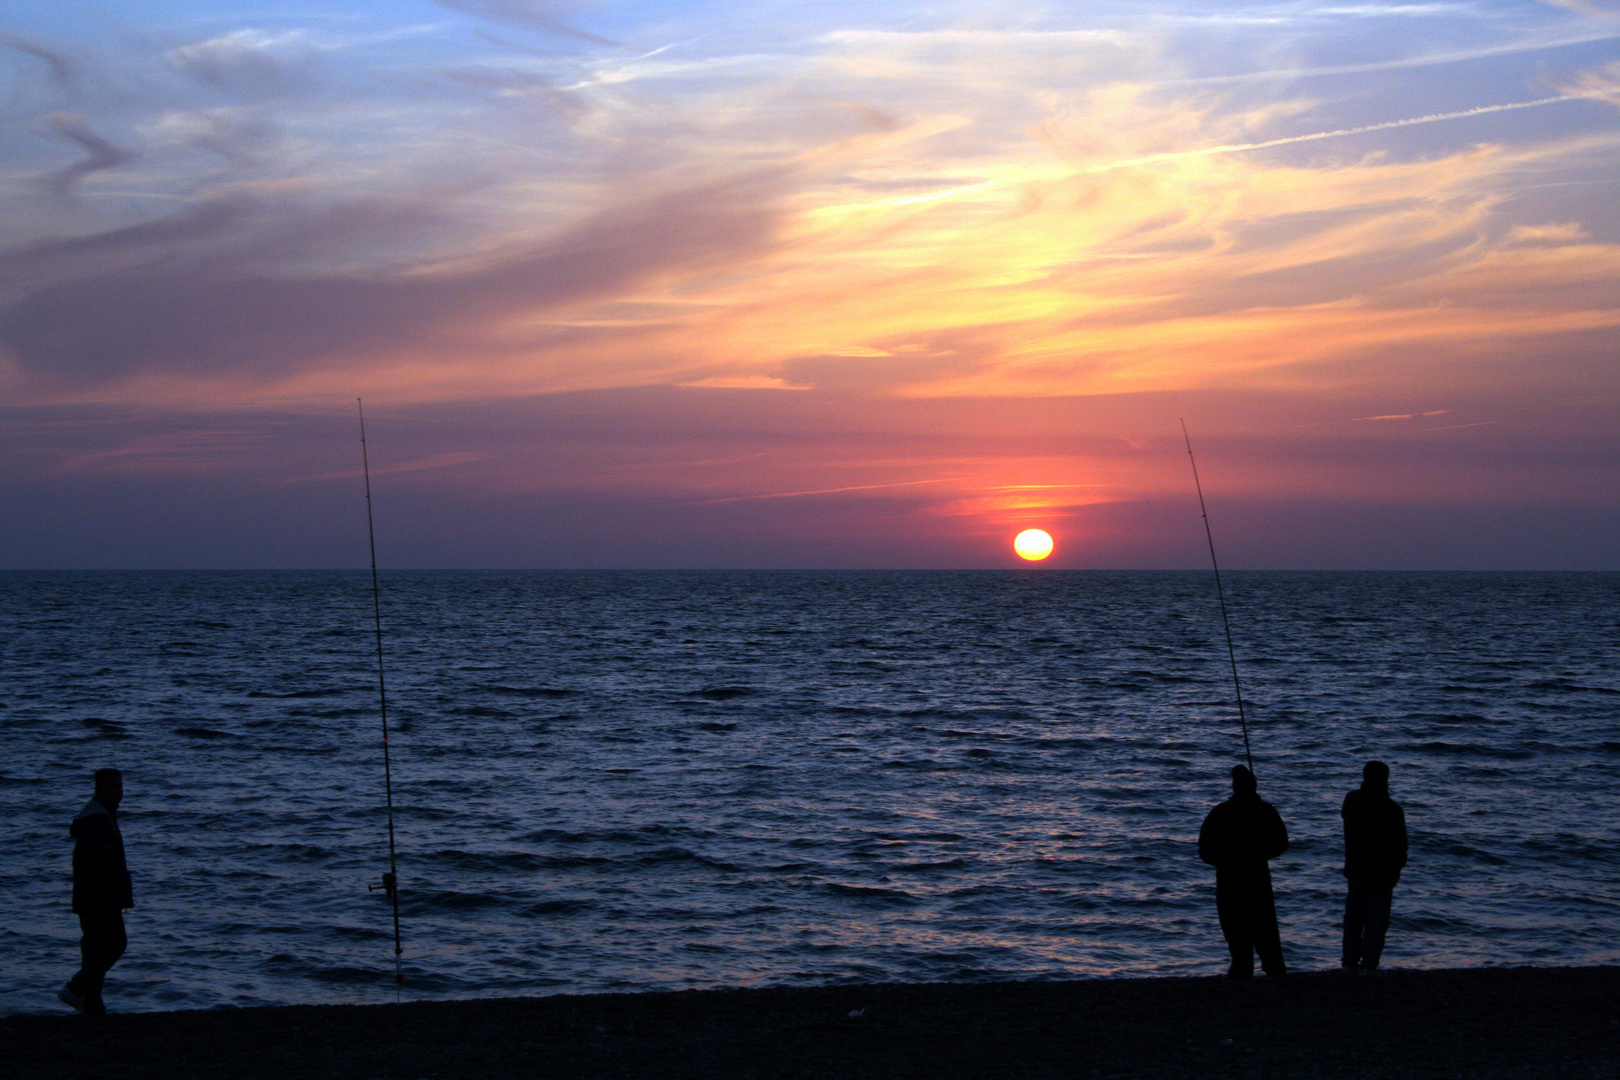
(635, 781)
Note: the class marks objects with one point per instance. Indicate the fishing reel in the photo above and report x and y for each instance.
(389, 886)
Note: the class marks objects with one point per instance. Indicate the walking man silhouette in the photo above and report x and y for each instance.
(1374, 853)
(1240, 836)
(101, 892)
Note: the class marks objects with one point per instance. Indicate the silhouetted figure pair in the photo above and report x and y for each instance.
(1239, 838)
(101, 892)
(1374, 853)
(1243, 833)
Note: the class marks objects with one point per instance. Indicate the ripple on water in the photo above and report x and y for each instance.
(627, 781)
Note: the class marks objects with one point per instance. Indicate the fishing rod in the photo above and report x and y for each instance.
(390, 880)
(1221, 593)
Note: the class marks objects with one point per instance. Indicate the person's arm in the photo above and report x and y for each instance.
(1279, 835)
(1207, 840)
(1400, 836)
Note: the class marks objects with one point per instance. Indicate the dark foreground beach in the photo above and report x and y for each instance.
(1519, 1022)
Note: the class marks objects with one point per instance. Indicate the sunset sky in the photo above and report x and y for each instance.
(810, 284)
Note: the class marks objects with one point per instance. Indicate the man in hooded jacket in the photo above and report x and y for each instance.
(1239, 838)
(1374, 853)
(101, 892)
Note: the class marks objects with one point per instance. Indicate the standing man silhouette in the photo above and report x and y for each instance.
(1374, 853)
(1240, 836)
(101, 892)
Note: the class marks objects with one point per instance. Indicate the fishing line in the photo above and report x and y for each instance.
(1221, 593)
(390, 880)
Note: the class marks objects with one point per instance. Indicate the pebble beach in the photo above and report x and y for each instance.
(1477, 1023)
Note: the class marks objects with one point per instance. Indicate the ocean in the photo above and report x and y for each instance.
(619, 781)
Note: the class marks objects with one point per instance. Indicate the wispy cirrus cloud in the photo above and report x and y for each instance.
(216, 318)
(1607, 9)
(99, 154)
(848, 210)
(1598, 84)
(548, 15)
(60, 69)
(994, 236)
(1005, 240)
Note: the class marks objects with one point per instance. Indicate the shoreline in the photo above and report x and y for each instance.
(1478, 1022)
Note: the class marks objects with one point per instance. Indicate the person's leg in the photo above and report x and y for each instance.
(1372, 938)
(1234, 927)
(103, 943)
(89, 952)
(1355, 918)
(1267, 940)
(119, 940)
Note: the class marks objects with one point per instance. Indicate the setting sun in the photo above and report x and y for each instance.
(1033, 544)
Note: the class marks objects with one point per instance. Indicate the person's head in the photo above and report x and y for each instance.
(109, 788)
(1243, 782)
(1375, 776)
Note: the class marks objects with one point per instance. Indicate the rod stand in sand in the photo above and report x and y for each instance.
(390, 880)
(1226, 623)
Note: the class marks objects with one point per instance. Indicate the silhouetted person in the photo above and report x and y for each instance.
(101, 892)
(1374, 852)
(1238, 838)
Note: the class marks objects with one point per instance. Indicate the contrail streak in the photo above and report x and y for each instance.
(1237, 148)
(1234, 148)
(1404, 63)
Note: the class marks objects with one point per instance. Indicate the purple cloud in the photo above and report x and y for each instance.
(100, 155)
(536, 13)
(225, 313)
(61, 69)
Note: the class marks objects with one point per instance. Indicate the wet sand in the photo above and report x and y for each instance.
(1509, 1022)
